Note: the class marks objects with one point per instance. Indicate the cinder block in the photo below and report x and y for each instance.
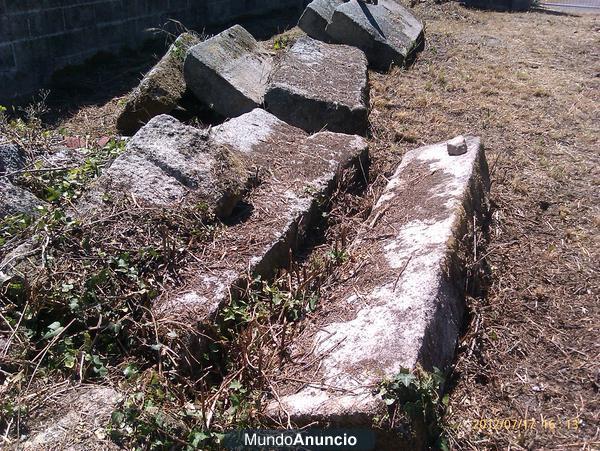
(15, 6)
(178, 4)
(112, 10)
(14, 27)
(79, 17)
(49, 21)
(29, 53)
(7, 59)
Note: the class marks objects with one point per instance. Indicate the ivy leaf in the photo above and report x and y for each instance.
(130, 371)
(117, 417)
(405, 379)
(197, 437)
(446, 400)
(389, 401)
(69, 361)
(235, 385)
(53, 330)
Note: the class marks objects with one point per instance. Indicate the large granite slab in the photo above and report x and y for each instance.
(388, 33)
(404, 303)
(165, 163)
(229, 72)
(318, 86)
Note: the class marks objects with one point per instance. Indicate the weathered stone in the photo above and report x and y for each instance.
(229, 72)
(316, 16)
(78, 422)
(294, 170)
(61, 157)
(403, 304)
(15, 200)
(160, 90)
(457, 146)
(388, 33)
(165, 162)
(23, 262)
(317, 85)
(12, 157)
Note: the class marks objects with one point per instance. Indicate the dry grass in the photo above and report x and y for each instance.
(528, 84)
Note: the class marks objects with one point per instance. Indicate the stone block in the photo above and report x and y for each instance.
(318, 86)
(45, 21)
(404, 304)
(317, 16)
(167, 162)
(15, 200)
(387, 32)
(160, 90)
(78, 421)
(12, 157)
(229, 72)
(79, 16)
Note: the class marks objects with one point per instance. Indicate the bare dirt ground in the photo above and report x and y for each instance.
(529, 85)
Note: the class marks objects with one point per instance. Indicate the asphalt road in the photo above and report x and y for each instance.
(573, 6)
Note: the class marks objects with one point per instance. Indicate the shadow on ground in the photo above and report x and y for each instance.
(107, 77)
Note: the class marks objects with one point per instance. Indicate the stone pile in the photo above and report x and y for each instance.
(319, 83)
(313, 85)
(295, 170)
(295, 121)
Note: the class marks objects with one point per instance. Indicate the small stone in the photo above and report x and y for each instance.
(62, 157)
(160, 90)
(457, 146)
(24, 262)
(229, 72)
(103, 141)
(74, 142)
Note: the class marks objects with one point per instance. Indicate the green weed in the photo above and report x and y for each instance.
(414, 397)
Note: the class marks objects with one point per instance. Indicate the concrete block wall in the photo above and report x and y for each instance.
(38, 37)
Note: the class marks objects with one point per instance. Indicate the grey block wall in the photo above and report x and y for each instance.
(37, 37)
